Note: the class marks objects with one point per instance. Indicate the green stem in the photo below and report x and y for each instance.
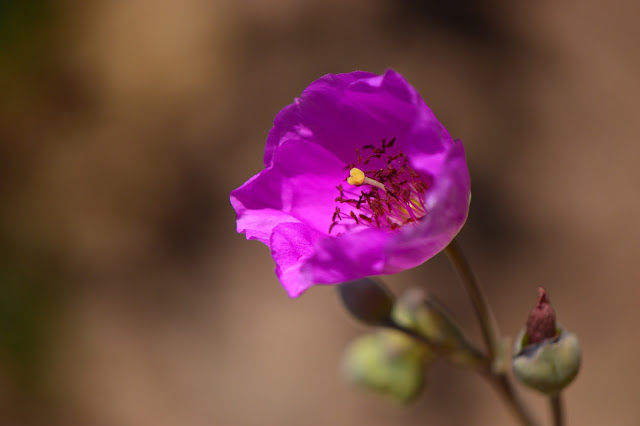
(490, 335)
(556, 409)
(479, 301)
(475, 357)
(511, 398)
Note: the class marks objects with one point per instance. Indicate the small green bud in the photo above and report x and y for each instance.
(546, 357)
(389, 362)
(367, 300)
(415, 312)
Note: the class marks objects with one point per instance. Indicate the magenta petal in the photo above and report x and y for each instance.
(298, 187)
(289, 123)
(350, 256)
(340, 110)
(259, 225)
(366, 110)
(292, 245)
(448, 205)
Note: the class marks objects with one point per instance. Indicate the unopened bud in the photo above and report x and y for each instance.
(367, 300)
(414, 311)
(546, 357)
(389, 362)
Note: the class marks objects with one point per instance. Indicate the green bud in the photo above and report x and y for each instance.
(547, 366)
(389, 362)
(367, 300)
(414, 311)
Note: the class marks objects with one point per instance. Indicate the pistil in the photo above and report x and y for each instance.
(358, 178)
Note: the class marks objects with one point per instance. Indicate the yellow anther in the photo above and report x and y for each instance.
(356, 177)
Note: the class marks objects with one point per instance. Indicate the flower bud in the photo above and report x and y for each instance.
(415, 312)
(367, 300)
(389, 362)
(546, 357)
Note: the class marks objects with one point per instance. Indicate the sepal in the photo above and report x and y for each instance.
(547, 366)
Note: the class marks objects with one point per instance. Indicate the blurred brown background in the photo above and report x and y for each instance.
(127, 298)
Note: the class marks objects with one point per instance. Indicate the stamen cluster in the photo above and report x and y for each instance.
(400, 202)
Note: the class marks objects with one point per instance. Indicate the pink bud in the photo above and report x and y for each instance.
(541, 324)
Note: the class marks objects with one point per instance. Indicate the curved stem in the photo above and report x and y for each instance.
(511, 398)
(556, 409)
(479, 301)
(490, 334)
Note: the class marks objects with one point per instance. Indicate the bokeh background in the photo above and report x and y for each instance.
(127, 298)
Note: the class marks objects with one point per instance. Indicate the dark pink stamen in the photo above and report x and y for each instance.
(403, 201)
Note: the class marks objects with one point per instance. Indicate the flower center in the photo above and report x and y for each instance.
(394, 195)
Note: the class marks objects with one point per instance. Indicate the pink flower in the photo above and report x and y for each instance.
(360, 179)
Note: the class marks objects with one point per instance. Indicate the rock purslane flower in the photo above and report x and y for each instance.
(360, 179)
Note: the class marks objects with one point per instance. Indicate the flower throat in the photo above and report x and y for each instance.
(396, 191)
